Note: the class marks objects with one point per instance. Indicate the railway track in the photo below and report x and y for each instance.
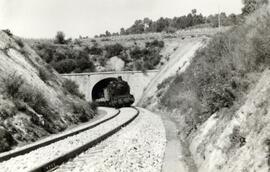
(20, 151)
(138, 147)
(47, 155)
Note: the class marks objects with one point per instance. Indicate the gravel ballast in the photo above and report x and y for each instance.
(42, 155)
(138, 147)
(110, 112)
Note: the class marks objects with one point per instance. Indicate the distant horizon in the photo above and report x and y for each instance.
(42, 19)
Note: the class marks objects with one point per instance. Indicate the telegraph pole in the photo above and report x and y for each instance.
(219, 19)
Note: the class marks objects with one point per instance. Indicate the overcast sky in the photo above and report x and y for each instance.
(43, 18)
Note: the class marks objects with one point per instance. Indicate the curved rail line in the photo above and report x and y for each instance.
(66, 157)
(42, 144)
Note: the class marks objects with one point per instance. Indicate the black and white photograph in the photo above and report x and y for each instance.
(134, 86)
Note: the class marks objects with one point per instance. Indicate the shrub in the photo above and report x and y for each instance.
(170, 30)
(84, 63)
(164, 83)
(261, 42)
(19, 42)
(95, 50)
(35, 99)
(145, 59)
(44, 74)
(60, 38)
(64, 66)
(6, 140)
(65, 59)
(105, 39)
(20, 105)
(236, 139)
(113, 50)
(72, 88)
(102, 60)
(13, 84)
(251, 5)
(8, 32)
(84, 110)
(136, 53)
(267, 144)
(19, 91)
(45, 51)
(93, 106)
(7, 111)
(154, 43)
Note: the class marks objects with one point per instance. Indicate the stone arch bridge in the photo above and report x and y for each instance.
(92, 83)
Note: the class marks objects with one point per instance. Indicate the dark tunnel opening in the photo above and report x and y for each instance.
(97, 91)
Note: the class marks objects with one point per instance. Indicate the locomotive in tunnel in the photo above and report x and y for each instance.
(112, 92)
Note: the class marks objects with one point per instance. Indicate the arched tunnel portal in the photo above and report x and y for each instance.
(97, 91)
(92, 84)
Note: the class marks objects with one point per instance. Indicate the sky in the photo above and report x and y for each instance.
(43, 18)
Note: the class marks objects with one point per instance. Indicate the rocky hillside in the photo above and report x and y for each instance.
(220, 101)
(34, 100)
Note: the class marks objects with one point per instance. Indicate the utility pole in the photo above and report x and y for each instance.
(219, 22)
(219, 19)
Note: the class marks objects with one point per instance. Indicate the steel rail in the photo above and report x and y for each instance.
(46, 143)
(48, 166)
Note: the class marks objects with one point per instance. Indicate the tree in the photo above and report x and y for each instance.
(113, 50)
(64, 66)
(60, 38)
(189, 20)
(232, 19)
(115, 34)
(251, 5)
(213, 20)
(136, 28)
(194, 12)
(147, 24)
(162, 24)
(198, 19)
(107, 33)
(122, 31)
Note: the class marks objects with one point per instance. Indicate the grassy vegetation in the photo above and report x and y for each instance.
(32, 102)
(24, 96)
(30, 109)
(220, 74)
(72, 88)
(83, 110)
(113, 50)
(19, 42)
(12, 84)
(6, 140)
(146, 58)
(44, 75)
(64, 58)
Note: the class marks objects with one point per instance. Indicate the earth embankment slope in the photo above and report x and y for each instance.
(178, 61)
(34, 101)
(240, 143)
(220, 103)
